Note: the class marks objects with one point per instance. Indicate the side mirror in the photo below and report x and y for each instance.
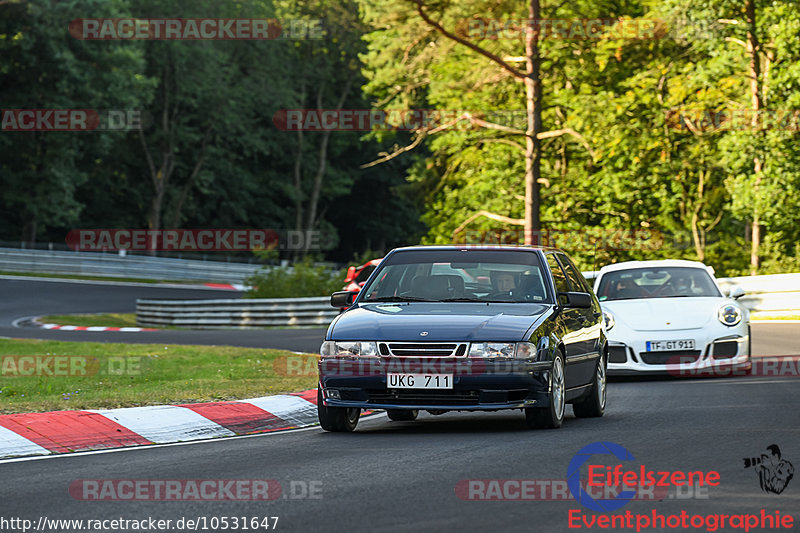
(343, 298)
(351, 273)
(736, 292)
(580, 300)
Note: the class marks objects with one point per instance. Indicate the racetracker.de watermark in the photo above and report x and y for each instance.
(74, 120)
(69, 365)
(703, 120)
(397, 119)
(777, 366)
(558, 490)
(193, 240)
(568, 239)
(593, 29)
(205, 490)
(309, 365)
(194, 29)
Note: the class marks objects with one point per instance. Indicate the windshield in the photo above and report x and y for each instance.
(455, 275)
(669, 282)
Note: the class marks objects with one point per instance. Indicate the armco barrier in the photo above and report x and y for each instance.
(245, 313)
(773, 294)
(116, 266)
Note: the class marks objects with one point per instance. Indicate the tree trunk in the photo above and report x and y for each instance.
(533, 106)
(176, 214)
(298, 171)
(699, 241)
(754, 53)
(313, 203)
(29, 234)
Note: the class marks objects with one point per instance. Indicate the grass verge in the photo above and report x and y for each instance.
(755, 316)
(110, 320)
(97, 375)
(96, 278)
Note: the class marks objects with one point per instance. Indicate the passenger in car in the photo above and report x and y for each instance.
(626, 289)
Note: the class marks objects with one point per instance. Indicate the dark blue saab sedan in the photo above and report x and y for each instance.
(465, 329)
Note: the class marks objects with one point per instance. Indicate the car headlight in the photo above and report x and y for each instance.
(348, 349)
(730, 315)
(520, 350)
(525, 350)
(608, 320)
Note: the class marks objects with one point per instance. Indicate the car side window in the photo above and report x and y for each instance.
(575, 278)
(560, 279)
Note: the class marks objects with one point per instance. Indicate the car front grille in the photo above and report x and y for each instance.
(673, 357)
(423, 349)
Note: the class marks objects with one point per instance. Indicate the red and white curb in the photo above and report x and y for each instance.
(93, 328)
(228, 286)
(75, 431)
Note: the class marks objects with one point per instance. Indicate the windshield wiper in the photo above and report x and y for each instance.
(464, 299)
(398, 299)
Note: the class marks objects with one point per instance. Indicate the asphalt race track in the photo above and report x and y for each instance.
(361, 478)
(26, 298)
(356, 482)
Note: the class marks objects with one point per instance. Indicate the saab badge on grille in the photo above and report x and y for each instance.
(423, 333)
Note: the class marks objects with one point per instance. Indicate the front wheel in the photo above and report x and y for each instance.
(402, 415)
(595, 403)
(336, 418)
(552, 415)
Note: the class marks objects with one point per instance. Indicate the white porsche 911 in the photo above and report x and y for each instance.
(663, 316)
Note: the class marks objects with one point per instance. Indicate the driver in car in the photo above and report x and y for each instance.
(681, 284)
(502, 283)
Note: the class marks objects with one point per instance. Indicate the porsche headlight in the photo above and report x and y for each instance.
(348, 349)
(729, 314)
(608, 320)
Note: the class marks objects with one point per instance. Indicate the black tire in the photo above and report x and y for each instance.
(552, 416)
(336, 418)
(594, 404)
(402, 415)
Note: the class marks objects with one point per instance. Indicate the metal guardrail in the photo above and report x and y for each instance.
(246, 313)
(775, 293)
(116, 266)
(779, 293)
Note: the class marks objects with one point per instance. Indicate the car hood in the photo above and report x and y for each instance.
(445, 321)
(665, 314)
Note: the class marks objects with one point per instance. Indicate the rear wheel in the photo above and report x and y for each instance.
(402, 415)
(595, 403)
(336, 418)
(552, 415)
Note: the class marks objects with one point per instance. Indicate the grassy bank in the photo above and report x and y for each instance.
(110, 320)
(96, 375)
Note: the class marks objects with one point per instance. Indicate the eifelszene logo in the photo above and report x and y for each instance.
(774, 473)
(619, 477)
(574, 477)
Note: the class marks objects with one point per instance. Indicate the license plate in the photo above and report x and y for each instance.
(419, 381)
(668, 346)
